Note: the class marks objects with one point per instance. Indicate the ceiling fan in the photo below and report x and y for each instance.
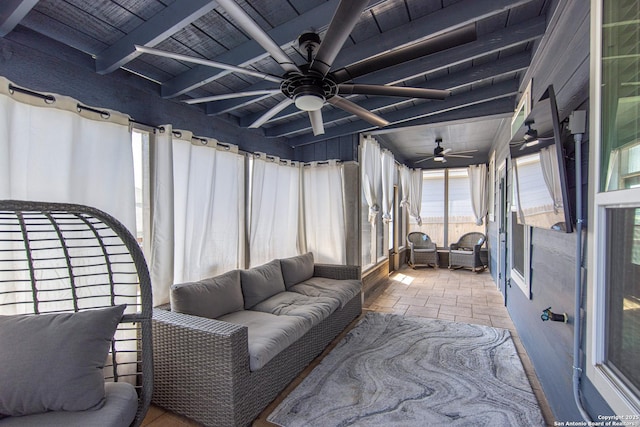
(312, 85)
(440, 154)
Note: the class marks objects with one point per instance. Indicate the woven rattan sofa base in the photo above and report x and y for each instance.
(201, 366)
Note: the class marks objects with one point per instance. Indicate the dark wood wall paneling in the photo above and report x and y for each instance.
(56, 68)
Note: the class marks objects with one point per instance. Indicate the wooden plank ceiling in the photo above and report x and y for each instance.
(483, 74)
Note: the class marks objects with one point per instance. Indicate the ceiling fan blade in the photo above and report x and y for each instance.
(424, 160)
(315, 117)
(428, 46)
(465, 152)
(401, 91)
(232, 96)
(344, 20)
(270, 113)
(207, 62)
(446, 150)
(352, 108)
(462, 156)
(258, 34)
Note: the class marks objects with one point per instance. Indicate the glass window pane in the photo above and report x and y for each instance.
(432, 209)
(620, 96)
(623, 294)
(461, 217)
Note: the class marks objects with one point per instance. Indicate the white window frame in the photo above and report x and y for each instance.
(523, 281)
(617, 395)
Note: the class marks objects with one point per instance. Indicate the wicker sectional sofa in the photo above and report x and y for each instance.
(221, 360)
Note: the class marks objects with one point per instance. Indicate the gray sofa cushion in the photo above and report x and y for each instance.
(259, 283)
(268, 334)
(341, 290)
(212, 297)
(297, 269)
(53, 362)
(120, 407)
(314, 309)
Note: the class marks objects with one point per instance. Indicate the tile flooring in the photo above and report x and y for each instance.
(456, 295)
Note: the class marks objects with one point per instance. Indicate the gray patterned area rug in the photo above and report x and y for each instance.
(392, 370)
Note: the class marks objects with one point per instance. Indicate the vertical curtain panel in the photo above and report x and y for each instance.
(415, 194)
(371, 175)
(478, 190)
(198, 210)
(52, 151)
(388, 169)
(551, 175)
(274, 209)
(323, 201)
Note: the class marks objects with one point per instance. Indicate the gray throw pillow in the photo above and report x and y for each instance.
(297, 269)
(262, 282)
(212, 297)
(54, 362)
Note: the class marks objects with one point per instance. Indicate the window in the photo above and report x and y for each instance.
(623, 295)
(614, 335)
(520, 236)
(446, 206)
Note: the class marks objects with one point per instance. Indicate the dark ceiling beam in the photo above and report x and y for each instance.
(474, 75)
(250, 51)
(495, 42)
(414, 115)
(441, 21)
(161, 26)
(12, 12)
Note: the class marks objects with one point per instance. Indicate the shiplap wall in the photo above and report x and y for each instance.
(561, 59)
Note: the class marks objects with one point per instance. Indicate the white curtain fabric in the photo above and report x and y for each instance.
(415, 194)
(371, 175)
(324, 217)
(197, 210)
(208, 210)
(478, 190)
(388, 167)
(160, 236)
(53, 153)
(405, 183)
(551, 175)
(274, 209)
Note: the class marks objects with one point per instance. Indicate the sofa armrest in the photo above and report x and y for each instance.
(335, 271)
(453, 246)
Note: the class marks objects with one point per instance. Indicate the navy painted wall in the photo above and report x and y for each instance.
(561, 59)
(59, 69)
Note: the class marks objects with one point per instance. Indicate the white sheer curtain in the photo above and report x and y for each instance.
(323, 201)
(274, 209)
(52, 152)
(405, 183)
(415, 194)
(198, 210)
(388, 167)
(551, 175)
(478, 191)
(371, 175)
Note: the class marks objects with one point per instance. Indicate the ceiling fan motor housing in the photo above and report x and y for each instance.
(308, 89)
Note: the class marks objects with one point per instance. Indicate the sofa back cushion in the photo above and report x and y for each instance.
(262, 282)
(297, 269)
(212, 297)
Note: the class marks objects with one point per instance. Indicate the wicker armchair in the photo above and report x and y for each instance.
(466, 252)
(66, 262)
(422, 251)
